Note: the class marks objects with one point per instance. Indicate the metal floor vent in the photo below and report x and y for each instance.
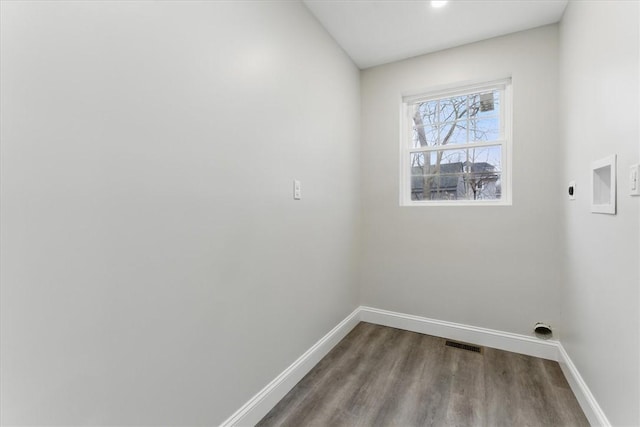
(463, 346)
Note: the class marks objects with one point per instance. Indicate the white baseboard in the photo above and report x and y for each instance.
(588, 403)
(260, 404)
(456, 331)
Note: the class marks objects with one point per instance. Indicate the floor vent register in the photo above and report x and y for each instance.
(463, 346)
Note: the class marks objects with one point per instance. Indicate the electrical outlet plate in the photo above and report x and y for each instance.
(634, 180)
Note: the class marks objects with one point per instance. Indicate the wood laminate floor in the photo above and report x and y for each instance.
(380, 376)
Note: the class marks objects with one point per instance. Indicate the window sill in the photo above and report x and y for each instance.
(468, 203)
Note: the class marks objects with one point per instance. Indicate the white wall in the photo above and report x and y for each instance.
(495, 267)
(599, 116)
(155, 269)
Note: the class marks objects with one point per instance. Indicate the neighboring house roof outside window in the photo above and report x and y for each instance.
(453, 178)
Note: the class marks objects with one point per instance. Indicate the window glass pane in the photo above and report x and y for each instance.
(473, 174)
(483, 173)
(424, 136)
(454, 133)
(436, 175)
(456, 120)
(450, 161)
(487, 129)
(417, 174)
(484, 104)
(417, 161)
(486, 158)
(478, 188)
(425, 128)
(444, 187)
(425, 113)
(452, 109)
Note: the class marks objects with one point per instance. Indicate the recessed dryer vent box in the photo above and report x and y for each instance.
(603, 185)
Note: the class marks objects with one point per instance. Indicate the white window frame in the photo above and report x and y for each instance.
(505, 141)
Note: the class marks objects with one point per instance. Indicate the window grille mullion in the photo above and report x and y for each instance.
(480, 144)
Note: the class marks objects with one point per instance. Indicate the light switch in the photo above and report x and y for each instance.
(297, 190)
(634, 185)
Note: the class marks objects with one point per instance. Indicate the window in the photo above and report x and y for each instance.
(456, 146)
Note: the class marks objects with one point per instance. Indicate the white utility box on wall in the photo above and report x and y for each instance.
(603, 185)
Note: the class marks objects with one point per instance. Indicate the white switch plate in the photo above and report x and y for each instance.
(634, 180)
(297, 190)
